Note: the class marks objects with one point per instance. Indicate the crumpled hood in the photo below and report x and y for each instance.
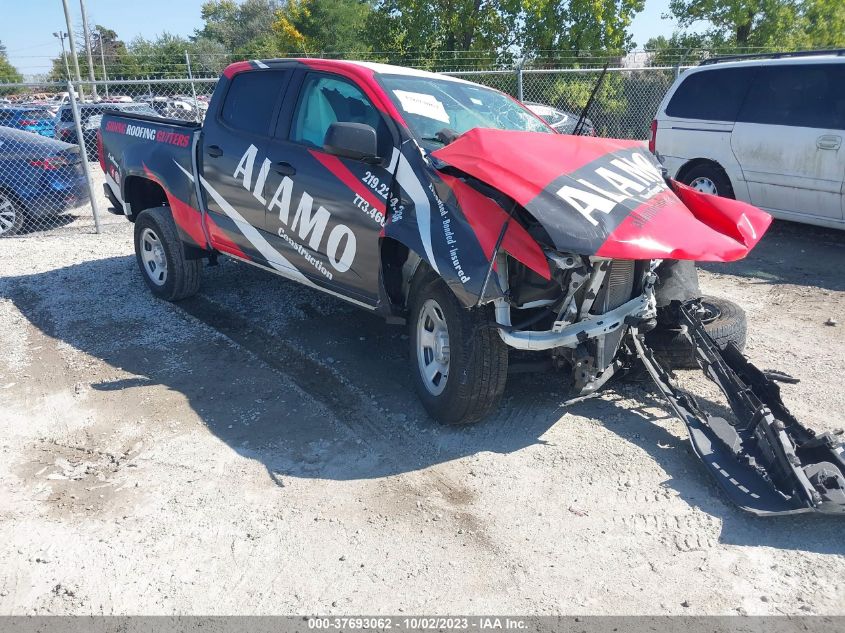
(606, 197)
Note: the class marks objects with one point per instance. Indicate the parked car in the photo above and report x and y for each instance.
(763, 129)
(181, 108)
(39, 177)
(27, 118)
(563, 122)
(90, 114)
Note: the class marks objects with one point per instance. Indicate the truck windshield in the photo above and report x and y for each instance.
(430, 105)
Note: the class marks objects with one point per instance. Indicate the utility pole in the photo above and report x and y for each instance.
(103, 60)
(72, 43)
(61, 35)
(87, 34)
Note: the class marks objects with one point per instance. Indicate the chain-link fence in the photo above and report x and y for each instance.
(46, 184)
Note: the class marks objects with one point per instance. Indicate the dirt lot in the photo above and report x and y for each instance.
(259, 449)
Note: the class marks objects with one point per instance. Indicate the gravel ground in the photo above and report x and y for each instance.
(258, 449)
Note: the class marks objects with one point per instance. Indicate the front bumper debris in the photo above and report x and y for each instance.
(765, 460)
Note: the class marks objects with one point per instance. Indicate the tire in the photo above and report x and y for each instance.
(707, 176)
(476, 358)
(11, 215)
(672, 348)
(161, 258)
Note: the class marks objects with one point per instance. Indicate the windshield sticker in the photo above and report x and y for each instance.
(422, 104)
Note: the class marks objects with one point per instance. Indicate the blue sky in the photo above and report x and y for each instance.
(27, 25)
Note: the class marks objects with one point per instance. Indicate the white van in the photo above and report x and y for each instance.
(765, 131)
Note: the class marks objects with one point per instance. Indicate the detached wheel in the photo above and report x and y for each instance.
(11, 216)
(724, 321)
(161, 258)
(709, 178)
(460, 364)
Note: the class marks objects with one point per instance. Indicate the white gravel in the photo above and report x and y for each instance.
(280, 463)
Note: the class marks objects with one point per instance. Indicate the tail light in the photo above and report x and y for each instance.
(28, 122)
(50, 163)
(652, 142)
(64, 132)
(100, 150)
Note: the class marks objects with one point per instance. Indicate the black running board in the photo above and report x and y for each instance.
(765, 460)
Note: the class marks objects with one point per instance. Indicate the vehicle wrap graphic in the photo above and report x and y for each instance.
(606, 197)
(322, 223)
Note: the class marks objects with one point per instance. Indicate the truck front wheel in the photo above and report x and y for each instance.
(161, 258)
(460, 364)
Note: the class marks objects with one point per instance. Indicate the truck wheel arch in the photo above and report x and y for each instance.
(139, 193)
(399, 265)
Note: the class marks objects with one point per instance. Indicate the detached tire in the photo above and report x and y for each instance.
(459, 362)
(725, 324)
(161, 258)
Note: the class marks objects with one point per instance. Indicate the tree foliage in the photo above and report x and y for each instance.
(8, 73)
(773, 24)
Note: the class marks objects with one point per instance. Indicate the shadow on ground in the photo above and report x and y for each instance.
(297, 352)
(792, 253)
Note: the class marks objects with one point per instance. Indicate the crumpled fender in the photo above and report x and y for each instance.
(454, 228)
(606, 197)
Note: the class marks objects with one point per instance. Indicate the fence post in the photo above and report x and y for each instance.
(80, 139)
(193, 88)
(519, 65)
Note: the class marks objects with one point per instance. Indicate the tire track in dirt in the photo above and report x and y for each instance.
(349, 406)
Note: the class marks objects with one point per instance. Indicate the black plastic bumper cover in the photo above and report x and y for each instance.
(765, 460)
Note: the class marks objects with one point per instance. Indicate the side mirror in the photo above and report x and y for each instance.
(352, 140)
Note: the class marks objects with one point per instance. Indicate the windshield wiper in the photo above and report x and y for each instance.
(433, 139)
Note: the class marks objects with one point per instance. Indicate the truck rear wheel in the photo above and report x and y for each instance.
(460, 363)
(161, 258)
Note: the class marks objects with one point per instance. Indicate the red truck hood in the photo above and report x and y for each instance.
(606, 197)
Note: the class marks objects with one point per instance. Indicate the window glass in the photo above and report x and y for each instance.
(811, 95)
(713, 95)
(39, 115)
(251, 100)
(66, 115)
(430, 104)
(325, 100)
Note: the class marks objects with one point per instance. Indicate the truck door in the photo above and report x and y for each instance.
(240, 130)
(788, 139)
(325, 212)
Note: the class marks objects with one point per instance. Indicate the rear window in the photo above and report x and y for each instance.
(811, 95)
(36, 115)
(251, 100)
(713, 95)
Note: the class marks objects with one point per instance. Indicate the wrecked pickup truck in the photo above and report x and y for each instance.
(451, 208)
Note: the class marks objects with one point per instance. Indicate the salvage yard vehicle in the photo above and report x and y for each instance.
(763, 128)
(451, 208)
(39, 178)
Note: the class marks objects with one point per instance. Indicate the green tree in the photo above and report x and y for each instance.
(322, 27)
(8, 73)
(822, 24)
(740, 23)
(429, 33)
(244, 29)
(575, 26)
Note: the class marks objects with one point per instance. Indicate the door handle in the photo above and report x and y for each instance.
(285, 169)
(214, 151)
(829, 141)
